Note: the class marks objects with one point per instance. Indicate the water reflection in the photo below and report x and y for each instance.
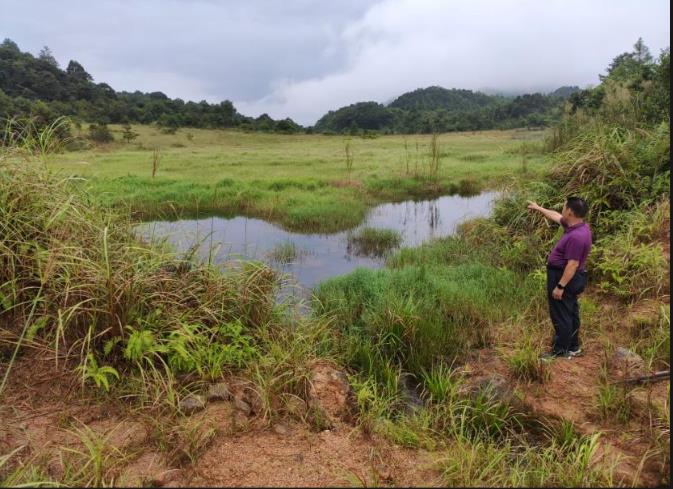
(313, 258)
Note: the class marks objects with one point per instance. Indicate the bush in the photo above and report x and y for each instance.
(628, 264)
(99, 133)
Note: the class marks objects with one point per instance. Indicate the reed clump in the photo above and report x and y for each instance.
(74, 274)
(370, 241)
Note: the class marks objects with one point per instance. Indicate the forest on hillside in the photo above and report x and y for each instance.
(37, 87)
(437, 109)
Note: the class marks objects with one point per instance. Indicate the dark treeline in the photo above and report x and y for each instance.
(37, 87)
(437, 109)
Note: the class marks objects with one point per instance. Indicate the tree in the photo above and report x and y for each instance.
(629, 67)
(128, 134)
(641, 53)
(10, 45)
(46, 56)
(77, 72)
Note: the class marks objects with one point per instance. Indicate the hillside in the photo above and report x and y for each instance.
(438, 109)
(436, 98)
(38, 87)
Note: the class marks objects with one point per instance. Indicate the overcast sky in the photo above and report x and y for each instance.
(300, 58)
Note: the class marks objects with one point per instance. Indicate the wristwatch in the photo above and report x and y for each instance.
(558, 285)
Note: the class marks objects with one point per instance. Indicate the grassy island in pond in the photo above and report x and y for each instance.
(302, 182)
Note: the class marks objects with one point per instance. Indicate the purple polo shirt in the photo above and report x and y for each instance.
(575, 244)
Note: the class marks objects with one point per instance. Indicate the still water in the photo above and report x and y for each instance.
(315, 257)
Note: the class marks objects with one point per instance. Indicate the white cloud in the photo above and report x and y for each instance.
(400, 45)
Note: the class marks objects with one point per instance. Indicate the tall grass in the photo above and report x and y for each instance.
(373, 242)
(417, 315)
(34, 137)
(349, 158)
(435, 157)
(485, 464)
(156, 158)
(74, 275)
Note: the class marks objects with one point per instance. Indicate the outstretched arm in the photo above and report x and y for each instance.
(548, 213)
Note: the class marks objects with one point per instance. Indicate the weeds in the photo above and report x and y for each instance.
(348, 151)
(613, 400)
(111, 304)
(525, 362)
(283, 253)
(369, 241)
(182, 440)
(435, 157)
(35, 137)
(484, 464)
(99, 375)
(156, 158)
(95, 460)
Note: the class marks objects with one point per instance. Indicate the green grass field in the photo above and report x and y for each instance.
(298, 181)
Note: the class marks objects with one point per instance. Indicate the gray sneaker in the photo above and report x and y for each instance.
(576, 353)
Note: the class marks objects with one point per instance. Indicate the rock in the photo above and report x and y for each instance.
(218, 392)
(148, 469)
(624, 362)
(191, 404)
(253, 399)
(129, 435)
(330, 394)
(166, 478)
(242, 406)
(281, 429)
(495, 387)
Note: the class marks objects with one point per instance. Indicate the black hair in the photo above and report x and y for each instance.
(578, 205)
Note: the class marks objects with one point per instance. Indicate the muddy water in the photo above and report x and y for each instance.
(315, 257)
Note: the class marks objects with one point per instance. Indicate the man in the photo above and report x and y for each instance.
(566, 275)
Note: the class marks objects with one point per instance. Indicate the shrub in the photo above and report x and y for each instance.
(99, 133)
(627, 264)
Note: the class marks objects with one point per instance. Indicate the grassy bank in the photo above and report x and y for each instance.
(303, 182)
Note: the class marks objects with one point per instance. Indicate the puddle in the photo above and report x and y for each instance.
(309, 259)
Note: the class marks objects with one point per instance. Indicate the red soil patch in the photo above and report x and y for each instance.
(43, 404)
(292, 456)
(571, 394)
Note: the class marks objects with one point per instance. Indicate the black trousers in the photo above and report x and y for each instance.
(565, 313)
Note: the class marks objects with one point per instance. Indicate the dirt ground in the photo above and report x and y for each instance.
(570, 394)
(44, 407)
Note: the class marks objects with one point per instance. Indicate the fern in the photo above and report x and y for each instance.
(99, 375)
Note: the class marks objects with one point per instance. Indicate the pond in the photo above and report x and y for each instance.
(309, 259)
